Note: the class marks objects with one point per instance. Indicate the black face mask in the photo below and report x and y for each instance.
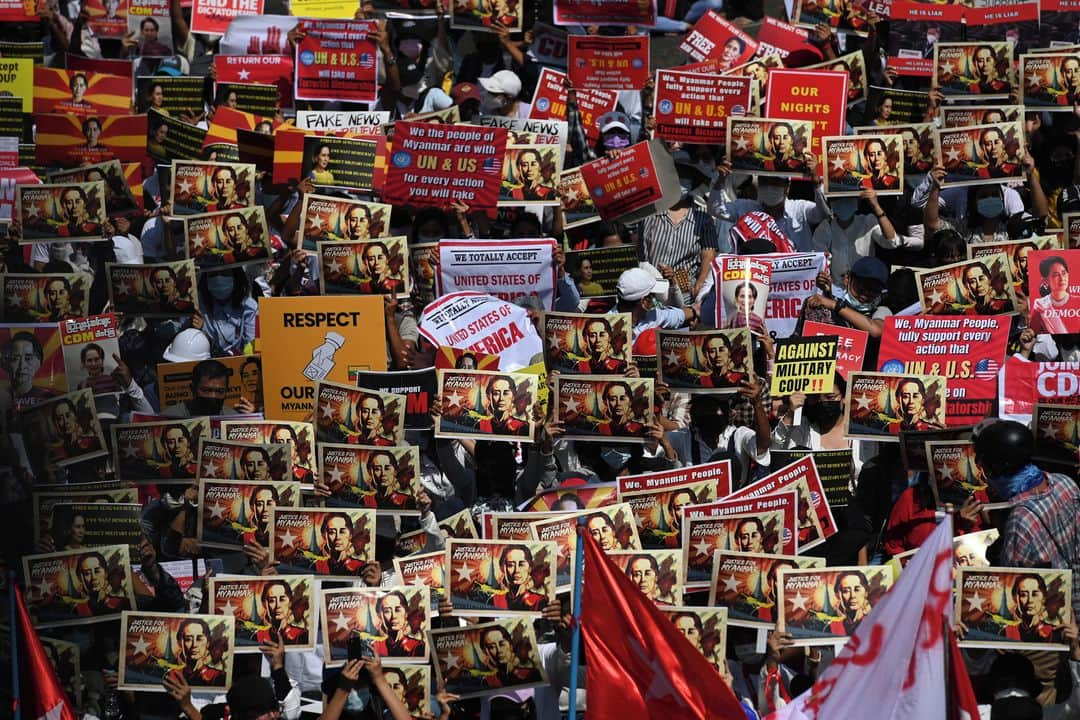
(823, 415)
(206, 406)
(710, 425)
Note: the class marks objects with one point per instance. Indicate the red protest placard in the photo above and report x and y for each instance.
(68, 140)
(850, 351)
(609, 63)
(8, 180)
(694, 108)
(549, 102)
(109, 66)
(336, 60)
(713, 37)
(439, 164)
(819, 96)
(261, 69)
(17, 11)
(1027, 383)
(967, 351)
(912, 66)
(82, 94)
(624, 182)
(605, 12)
(777, 37)
(212, 17)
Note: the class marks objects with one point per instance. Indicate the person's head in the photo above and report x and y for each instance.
(501, 92)
(885, 109)
(852, 591)
(992, 143)
(602, 529)
(92, 571)
(746, 295)
(644, 572)
(251, 378)
(65, 419)
(321, 157)
(149, 29)
(23, 356)
(78, 85)
(597, 332)
(58, 295)
(91, 129)
(193, 637)
(1029, 595)
(393, 610)
(614, 131)
(985, 63)
(637, 291)
(164, 281)
(617, 401)
(382, 469)
(977, 281)
(1055, 275)
(824, 410)
(529, 167)
(73, 202)
(782, 139)
(877, 159)
(358, 223)
(236, 231)
(92, 358)
(911, 397)
(277, 602)
(772, 192)
(176, 440)
(263, 501)
(377, 260)
(224, 180)
(718, 352)
(500, 393)
(265, 127)
(498, 646)
(678, 500)
(731, 51)
(516, 562)
(369, 410)
(209, 385)
(256, 464)
(750, 535)
(336, 532)
(689, 624)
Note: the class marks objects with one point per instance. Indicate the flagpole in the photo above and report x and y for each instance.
(575, 639)
(16, 695)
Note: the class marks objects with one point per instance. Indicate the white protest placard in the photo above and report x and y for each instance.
(335, 121)
(793, 280)
(506, 269)
(548, 132)
(484, 324)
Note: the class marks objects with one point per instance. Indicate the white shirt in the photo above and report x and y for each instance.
(800, 217)
(846, 245)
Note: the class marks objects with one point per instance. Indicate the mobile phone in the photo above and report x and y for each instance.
(359, 648)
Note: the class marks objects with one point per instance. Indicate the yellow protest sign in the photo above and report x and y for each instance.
(325, 9)
(17, 78)
(804, 365)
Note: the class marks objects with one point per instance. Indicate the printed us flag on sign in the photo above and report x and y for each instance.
(987, 369)
(491, 167)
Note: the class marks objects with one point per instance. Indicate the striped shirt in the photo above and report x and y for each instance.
(679, 245)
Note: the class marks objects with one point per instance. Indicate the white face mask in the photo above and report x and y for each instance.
(770, 195)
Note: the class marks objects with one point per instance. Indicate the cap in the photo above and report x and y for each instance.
(190, 344)
(172, 66)
(613, 120)
(870, 268)
(576, 478)
(465, 91)
(636, 283)
(503, 82)
(250, 695)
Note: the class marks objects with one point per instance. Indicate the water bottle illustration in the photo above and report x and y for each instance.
(322, 358)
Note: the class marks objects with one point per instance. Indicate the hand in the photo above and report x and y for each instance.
(796, 401)
(870, 196)
(371, 574)
(351, 670)
(374, 666)
(178, 689)
(654, 435)
(244, 406)
(662, 390)
(811, 166)
(559, 258)
(1029, 164)
(390, 307)
(890, 76)
(778, 642)
(666, 272)
(147, 555)
(197, 320)
(305, 187)
(121, 374)
(423, 503)
(1027, 341)
(321, 488)
(971, 509)
(189, 547)
(446, 608)
(444, 699)
(632, 370)
(723, 170)
(274, 652)
(821, 34)
(824, 282)
(552, 611)
(752, 389)
(257, 555)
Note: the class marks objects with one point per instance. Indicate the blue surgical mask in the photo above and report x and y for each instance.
(844, 208)
(221, 287)
(863, 307)
(613, 142)
(770, 195)
(990, 207)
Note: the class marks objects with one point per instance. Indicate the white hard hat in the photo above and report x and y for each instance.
(190, 344)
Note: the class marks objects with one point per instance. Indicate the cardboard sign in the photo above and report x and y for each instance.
(482, 323)
(212, 17)
(694, 108)
(17, 78)
(713, 37)
(70, 140)
(624, 182)
(506, 269)
(439, 164)
(776, 37)
(336, 61)
(980, 69)
(854, 164)
(18, 11)
(814, 95)
(549, 102)
(342, 121)
(1052, 296)
(1025, 383)
(9, 180)
(82, 94)
(263, 69)
(609, 63)
(850, 347)
(329, 337)
(804, 365)
(605, 12)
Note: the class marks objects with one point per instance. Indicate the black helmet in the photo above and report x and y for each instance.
(1003, 448)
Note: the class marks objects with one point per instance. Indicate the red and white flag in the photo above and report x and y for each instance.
(895, 661)
(41, 694)
(638, 664)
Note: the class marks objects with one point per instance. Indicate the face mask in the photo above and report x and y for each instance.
(220, 287)
(207, 406)
(864, 308)
(411, 48)
(990, 207)
(823, 415)
(844, 208)
(615, 459)
(613, 142)
(770, 195)
(687, 188)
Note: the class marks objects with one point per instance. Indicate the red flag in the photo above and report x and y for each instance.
(42, 695)
(961, 694)
(638, 664)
